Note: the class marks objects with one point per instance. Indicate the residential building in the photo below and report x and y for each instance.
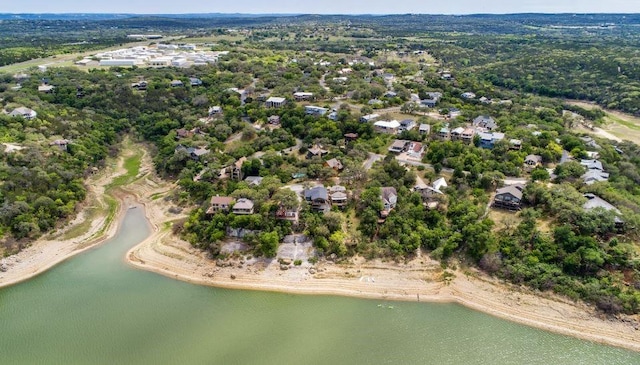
(515, 144)
(509, 197)
(424, 129)
(416, 149)
(61, 144)
(389, 198)
(454, 112)
(407, 125)
(388, 127)
(468, 95)
(243, 206)
(399, 146)
(215, 110)
(444, 134)
(289, 214)
(23, 112)
(302, 96)
(318, 198)
(431, 192)
(594, 201)
(236, 169)
(316, 151)
(467, 135)
(315, 110)
(274, 119)
(47, 89)
(333, 115)
(177, 83)
(275, 102)
(485, 123)
(592, 165)
(350, 137)
(338, 196)
(253, 180)
(532, 161)
(488, 140)
(456, 134)
(194, 81)
(369, 118)
(334, 164)
(219, 204)
(184, 133)
(594, 176)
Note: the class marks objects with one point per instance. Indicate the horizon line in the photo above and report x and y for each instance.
(295, 14)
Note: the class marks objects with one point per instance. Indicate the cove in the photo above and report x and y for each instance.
(95, 309)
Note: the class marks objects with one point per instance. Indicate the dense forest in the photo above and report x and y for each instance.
(355, 66)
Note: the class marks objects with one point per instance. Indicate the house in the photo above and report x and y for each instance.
(444, 134)
(334, 164)
(302, 96)
(375, 102)
(140, 86)
(219, 204)
(468, 95)
(253, 180)
(333, 115)
(318, 198)
(289, 214)
(194, 81)
(236, 169)
(388, 127)
(184, 133)
(592, 165)
(416, 149)
(407, 125)
(390, 94)
(594, 201)
(369, 118)
(23, 112)
(316, 151)
(215, 110)
(430, 192)
(467, 135)
(274, 119)
(431, 100)
(338, 196)
(515, 144)
(485, 122)
(509, 197)
(532, 161)
(593, 176)
(61, 144)
(243, 206)
(454, 113)
(315, 110)
(275, 102)
(456, 134)
(485, 100)
(489, 140)
(389, 198)
(177, 83)
(47, 89)
(399, 146)
(424, 129)
(350, 136)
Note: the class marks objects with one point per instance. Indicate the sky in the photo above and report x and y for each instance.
(321, 6)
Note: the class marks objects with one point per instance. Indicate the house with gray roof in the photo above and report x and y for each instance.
(318, 198)
(594, 202)
(389, 198)
(509, 197)
(23, 112)
(243, 207)
(485, 122)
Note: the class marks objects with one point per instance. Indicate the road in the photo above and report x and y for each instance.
(373, 157)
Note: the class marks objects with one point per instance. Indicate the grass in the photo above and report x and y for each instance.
(132, 166)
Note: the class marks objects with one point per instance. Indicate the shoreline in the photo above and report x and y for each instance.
(419, 280)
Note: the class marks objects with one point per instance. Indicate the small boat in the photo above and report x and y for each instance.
(379, 305)
(390, 307)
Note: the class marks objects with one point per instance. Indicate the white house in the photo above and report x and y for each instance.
(275, 102)
(23, 112)
(388, 127)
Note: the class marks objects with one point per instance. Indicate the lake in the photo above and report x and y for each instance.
(95, 309)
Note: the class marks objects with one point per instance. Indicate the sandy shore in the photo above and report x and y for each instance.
(58, 246)
(419, 280)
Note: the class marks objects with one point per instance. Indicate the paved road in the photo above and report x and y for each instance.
(373, 157)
